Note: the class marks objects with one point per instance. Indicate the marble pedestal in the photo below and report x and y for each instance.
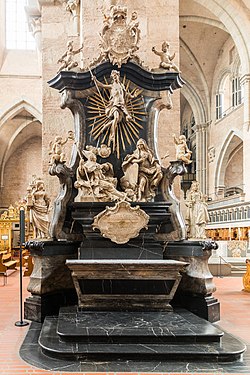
(50, 283)
(195, 291)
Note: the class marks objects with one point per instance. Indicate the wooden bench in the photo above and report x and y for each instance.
(6, 264)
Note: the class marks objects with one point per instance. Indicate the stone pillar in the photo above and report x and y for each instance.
(73, 6)
(245, 82)
(201, 155)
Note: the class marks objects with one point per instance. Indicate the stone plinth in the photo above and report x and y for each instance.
(50, 283)
(196, 287)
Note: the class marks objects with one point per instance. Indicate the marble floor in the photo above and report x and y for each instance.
(235, 319)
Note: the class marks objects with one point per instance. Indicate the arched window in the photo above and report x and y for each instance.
(223, 96)
(237, 93)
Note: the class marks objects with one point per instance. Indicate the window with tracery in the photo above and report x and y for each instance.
(219, 106)
(236, 92)
(17, 32)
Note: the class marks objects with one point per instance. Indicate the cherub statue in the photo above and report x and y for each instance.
(116, 109)
(67, 60)
(133, 26)
(166, 58)
(94, 181)
(58, 156)
(182, 151)
(104, 151)
(142, 173)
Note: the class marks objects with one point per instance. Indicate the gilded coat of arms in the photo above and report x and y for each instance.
(119, 39)
(121, 222)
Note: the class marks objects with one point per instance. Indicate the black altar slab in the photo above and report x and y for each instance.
(206, 350)
(148, 327)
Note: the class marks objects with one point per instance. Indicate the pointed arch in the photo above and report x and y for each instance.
(18, 107)
(26, 122)
(190, 93)
(233, 140)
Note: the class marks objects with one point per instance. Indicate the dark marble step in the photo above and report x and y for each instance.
(134, 327)
(31, 352)
(228, 350)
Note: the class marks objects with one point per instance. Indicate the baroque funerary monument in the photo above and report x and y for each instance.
(93, 132)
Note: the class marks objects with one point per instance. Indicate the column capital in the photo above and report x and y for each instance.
(204, 126)
(35, 24)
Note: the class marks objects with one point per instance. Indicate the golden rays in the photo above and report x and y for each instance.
(126, 131)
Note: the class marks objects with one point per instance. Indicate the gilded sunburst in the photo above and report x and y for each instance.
(127, 131)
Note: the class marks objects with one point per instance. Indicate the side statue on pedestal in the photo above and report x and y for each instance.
(38, 203)
(246, 277)
(197, 214)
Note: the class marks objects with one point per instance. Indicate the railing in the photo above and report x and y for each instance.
(229, 211)
(231, 266)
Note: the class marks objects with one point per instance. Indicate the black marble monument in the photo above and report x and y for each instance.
(148, 299)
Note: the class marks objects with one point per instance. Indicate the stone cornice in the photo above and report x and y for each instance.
(245, 79)
(147, 80)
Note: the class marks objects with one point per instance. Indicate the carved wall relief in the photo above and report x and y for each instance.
(121, 223)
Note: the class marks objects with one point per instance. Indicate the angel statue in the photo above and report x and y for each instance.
(182, 151)
(67, 61)
(56, 148)
(166, 58)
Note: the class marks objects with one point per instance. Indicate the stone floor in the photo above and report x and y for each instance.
(235, 318)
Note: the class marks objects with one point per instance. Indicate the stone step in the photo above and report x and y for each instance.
(137, 327)
(237, 273)
(227, 350)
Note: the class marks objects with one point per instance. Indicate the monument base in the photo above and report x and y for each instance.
(79, 341)
(36, 308)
